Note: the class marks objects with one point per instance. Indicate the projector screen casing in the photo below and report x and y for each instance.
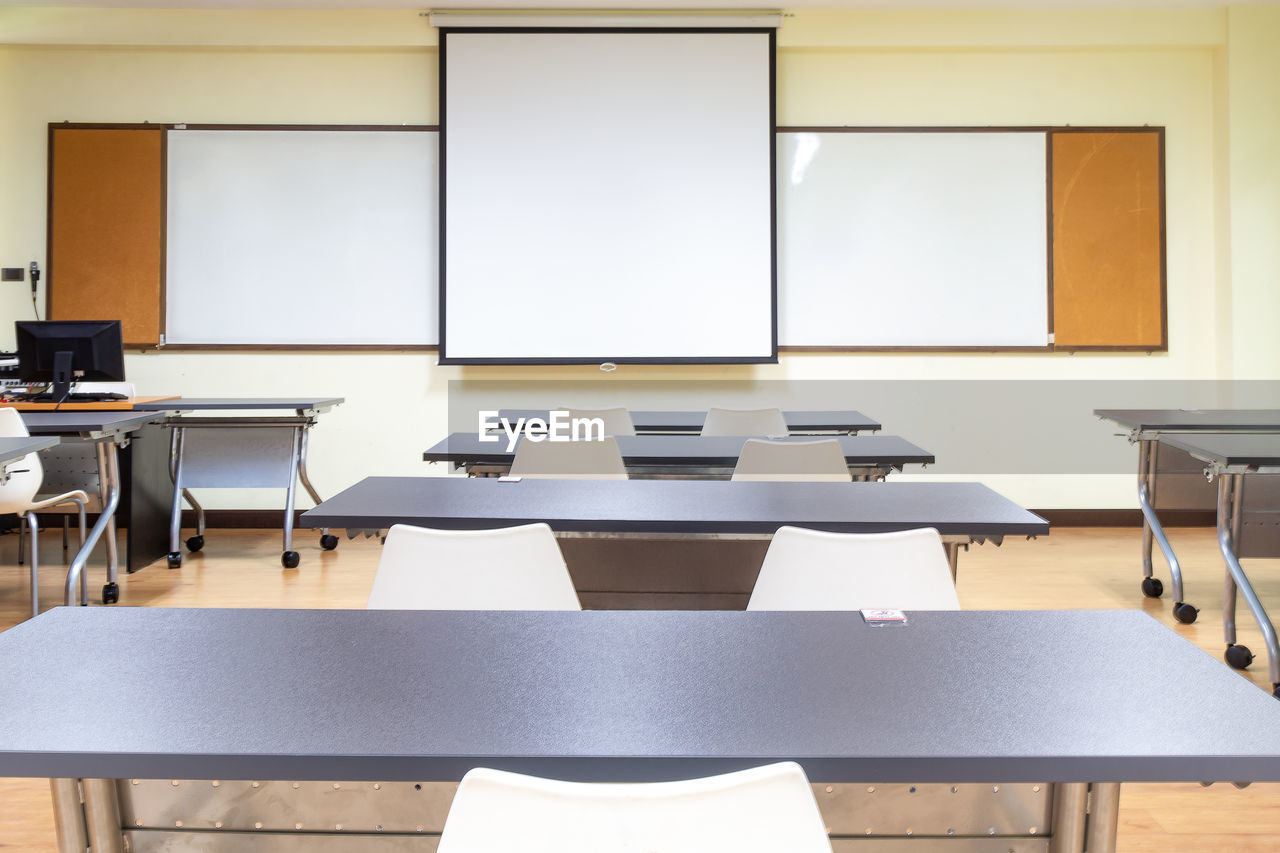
(607, 195)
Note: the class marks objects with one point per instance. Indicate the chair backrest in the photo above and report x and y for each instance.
(616, 421)
(769, 808)
(813, 570)
(591, 460)
(744, 422)
(514, 568)
(25, 474)
(125, 388)
(813, 461)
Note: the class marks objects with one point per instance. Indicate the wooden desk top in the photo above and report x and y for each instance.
(104, 406)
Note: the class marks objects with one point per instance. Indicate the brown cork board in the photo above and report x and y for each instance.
(1108, 260)
(106, 227)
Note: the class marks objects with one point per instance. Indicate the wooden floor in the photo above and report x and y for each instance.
(1072, 568)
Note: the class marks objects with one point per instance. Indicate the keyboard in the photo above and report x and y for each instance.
(70, 398)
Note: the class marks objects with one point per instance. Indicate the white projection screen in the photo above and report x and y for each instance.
(607, 196)
(301, 236)
(912, 239)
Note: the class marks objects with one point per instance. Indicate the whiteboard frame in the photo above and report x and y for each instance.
(1047, 131)
(442, 314)
(427, 345)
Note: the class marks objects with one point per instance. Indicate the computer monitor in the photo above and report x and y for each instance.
(62, 351)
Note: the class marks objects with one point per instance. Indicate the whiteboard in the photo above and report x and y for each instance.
(301, 236)
(929, 238)
(607, 196)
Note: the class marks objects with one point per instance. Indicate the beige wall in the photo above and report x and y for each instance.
(1209, 76)
(1253, 137)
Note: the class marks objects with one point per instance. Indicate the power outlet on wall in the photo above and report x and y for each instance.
(13, 274)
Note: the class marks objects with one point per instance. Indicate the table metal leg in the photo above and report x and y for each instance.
(306, 480)
(1069, 806)
(1230, 518)
(290, 557)
(34, 524)
(109, 505)
(1104, 817)
(175, 508)
(102, 816)
(953, 558)
(113, 552)
(68, 816)
(1146, 490)
(1153, 529)
(198, 508)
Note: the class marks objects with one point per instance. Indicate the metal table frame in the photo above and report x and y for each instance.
(1147, 437)
(213, 466)
(112, 433)
(1230, 520)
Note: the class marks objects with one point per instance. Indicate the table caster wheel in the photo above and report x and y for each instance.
(175, 559)
(1238, 657)
(289, 559)
(110, 593)
(195, 543)
(1185, 613)
(1152, 587)
(328, 542)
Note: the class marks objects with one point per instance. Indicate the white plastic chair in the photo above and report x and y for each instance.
(617, 421)
(75, 466)
(18, 495)
(514, 568)
(744, 422)
(820, 461)
(588, 460)
(768, 808)
(813, 570)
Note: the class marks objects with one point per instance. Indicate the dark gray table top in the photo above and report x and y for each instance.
(691, 450)
(644, 421)
(203, 403)
(1194, 420)
(16, 448)
(1031, 696)
(674, 506)
(1231, 450)
(86, 421)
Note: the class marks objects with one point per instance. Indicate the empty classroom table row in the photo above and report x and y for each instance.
(830, 422)
(961, 512)
(867, 457)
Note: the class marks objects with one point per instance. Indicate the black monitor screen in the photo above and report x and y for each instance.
(96, 350)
